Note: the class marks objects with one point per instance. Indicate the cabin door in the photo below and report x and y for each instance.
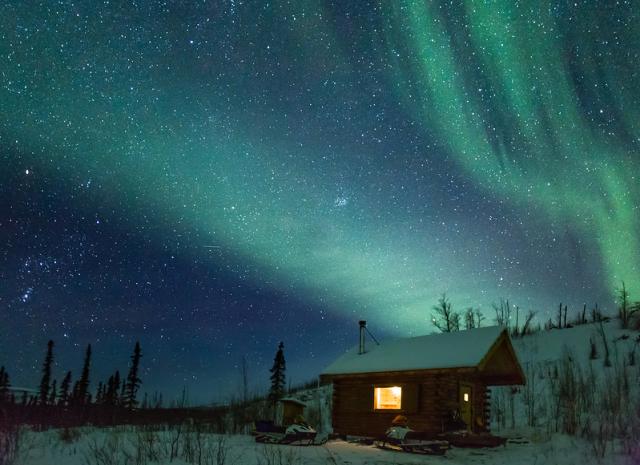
(466, 403)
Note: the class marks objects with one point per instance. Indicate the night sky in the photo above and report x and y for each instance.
(212, 177)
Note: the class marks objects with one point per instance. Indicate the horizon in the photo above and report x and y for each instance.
(256, 389)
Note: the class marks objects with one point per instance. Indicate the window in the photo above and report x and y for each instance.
(387, 398)
(466, 397)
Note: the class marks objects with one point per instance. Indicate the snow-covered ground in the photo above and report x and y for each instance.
(105, 447)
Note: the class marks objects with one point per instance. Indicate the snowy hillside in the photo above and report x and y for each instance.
(581, 381)
(549, 346)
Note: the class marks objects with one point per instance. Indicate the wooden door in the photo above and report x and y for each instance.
(466, 404)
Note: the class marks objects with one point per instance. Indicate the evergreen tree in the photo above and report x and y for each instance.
(54, 393)
(100, 393)
(108, 392)
(278, 374)
(120, 384)
(46, 375)
(133, 381)
(81, 396)
(64, 389)
(111, 396)
(74, 393)
(4, 385)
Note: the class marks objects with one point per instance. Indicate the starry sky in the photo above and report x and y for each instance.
(212, 177)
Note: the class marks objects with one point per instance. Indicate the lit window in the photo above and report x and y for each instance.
(387, 398)
(466, 397)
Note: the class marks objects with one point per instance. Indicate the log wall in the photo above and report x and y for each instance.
(427, 400)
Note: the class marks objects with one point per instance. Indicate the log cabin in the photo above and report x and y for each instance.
(439, 382)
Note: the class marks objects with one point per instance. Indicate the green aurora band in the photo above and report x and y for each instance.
(495, 84)
(190, 159)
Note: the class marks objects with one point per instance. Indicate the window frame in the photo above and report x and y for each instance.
(386, 386)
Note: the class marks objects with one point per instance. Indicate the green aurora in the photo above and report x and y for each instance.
(496, 85)
(198, 149)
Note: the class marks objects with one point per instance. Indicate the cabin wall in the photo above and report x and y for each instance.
(428, 403)
(481, 407)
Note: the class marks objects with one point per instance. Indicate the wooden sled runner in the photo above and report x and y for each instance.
(405, 440)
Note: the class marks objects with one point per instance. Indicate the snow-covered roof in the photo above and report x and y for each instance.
(293, 400)
(446, 350)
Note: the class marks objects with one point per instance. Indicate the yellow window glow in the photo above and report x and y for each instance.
(466, 397)
(387, 398)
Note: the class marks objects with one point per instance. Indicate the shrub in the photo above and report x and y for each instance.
(69, 435)
(10, 438)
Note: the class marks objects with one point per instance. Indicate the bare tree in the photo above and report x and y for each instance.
(626, 310)
(445, 319)
(503, 313)
(469, 319)
(473, 318)
(526, 327)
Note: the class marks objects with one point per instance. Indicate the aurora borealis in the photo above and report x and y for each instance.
(213, 177)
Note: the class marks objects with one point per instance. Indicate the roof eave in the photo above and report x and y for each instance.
(504, 337)
(411, 372)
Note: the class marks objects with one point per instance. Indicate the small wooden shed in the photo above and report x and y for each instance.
(288, 409)
(434, 380)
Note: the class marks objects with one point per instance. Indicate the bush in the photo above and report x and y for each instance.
(69, 435)
(279, 455)
(10, 438)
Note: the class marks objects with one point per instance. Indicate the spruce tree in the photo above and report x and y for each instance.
(64, 389)
(74, 393)
(4, 385)
(54, 393)
(133, 381)
(82, 393)
(113, 390)
(100, 393)
(278, 374)
(46, 375)
(108, 392)
(123, 386)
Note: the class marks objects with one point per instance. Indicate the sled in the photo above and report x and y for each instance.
(415, 442)
(267, 432)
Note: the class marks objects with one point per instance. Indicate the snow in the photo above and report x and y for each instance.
(446, 350)
(45, 449)
(551, 346)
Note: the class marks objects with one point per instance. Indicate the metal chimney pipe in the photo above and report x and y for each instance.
(363, 325)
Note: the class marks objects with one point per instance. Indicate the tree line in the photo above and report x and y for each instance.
(73, 398)
(446, 319)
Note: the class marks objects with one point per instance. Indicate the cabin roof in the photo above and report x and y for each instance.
(459, 349)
